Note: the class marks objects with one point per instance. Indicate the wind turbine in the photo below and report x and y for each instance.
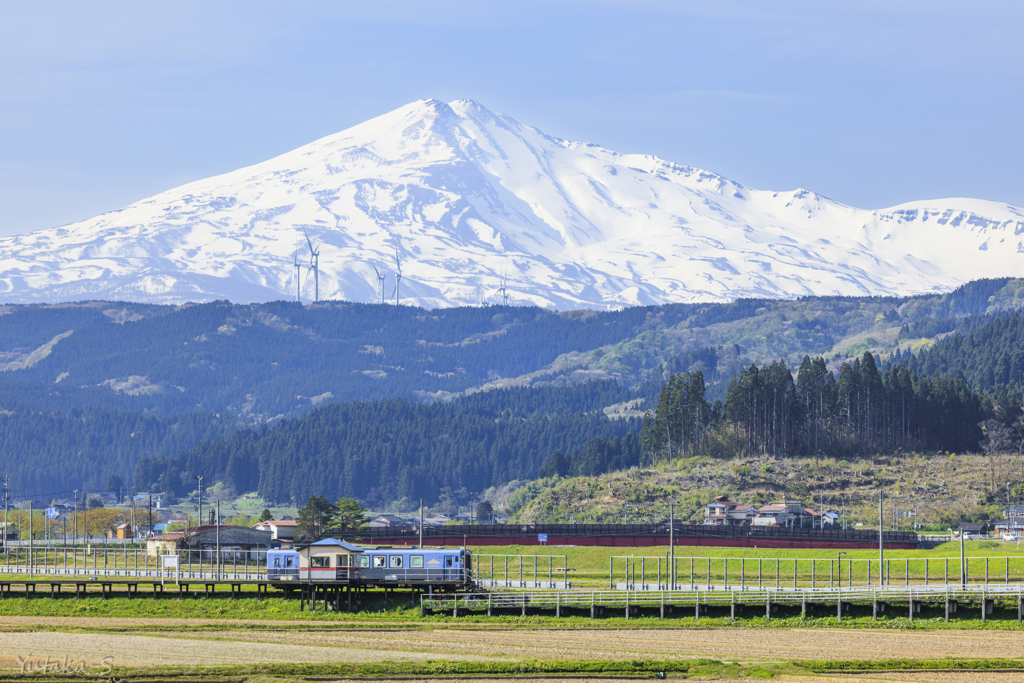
(314, 265)
(398, 280)
(503, 290)
(298, 277)
(380, 280)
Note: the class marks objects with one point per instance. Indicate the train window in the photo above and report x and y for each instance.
(380, 560)
(364, 560)
(416, 561)
(277, 563)
(396, 560)
(448, 561)
(342, 561)
(321, 561)
(289, 562)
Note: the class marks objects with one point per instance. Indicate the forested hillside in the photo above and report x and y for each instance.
(988, 353)
(269, 360)
(88, 390)
(51, 453)
(383, 451)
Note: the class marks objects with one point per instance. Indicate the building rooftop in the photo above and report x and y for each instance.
(335, 543)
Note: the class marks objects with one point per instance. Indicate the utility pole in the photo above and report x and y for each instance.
(963, 574)
(76, 516)
(881, 547)
(150, 512)
(218, 538)
(7, 497)
(671, 545)
(200, 498)
(421, 524)
(31, 558)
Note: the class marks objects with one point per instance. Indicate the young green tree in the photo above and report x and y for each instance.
(349, 514)
(485, 512)
(266, 515)
(316, 514)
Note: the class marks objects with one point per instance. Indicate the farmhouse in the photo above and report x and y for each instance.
(391, 522)
(722, 512)
(280, 530)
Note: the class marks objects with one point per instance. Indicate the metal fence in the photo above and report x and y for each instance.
(41, 561)
(655, 573)
(518, 571)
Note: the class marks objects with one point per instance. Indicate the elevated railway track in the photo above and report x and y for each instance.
(954, 599)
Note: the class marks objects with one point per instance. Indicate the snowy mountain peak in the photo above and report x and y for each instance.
(463, 195)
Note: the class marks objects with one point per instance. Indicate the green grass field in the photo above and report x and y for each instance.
(589, 565)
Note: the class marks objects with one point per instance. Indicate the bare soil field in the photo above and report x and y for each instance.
(163, 642)
(733, 644)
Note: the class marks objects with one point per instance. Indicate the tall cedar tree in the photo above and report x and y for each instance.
(349, 514)
(316, 514)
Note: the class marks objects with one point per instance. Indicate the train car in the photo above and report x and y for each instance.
(326, 561)
(439, 568)
(283, 566)
(332, 561)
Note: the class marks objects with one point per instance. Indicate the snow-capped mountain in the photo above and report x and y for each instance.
(463, 195)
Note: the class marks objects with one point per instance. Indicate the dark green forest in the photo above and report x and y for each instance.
(987, 352)
(382, 451)
(51, 453)
(769, 411)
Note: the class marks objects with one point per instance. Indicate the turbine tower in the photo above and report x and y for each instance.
(298, 277)
(380, 281)
(314, 265)
(398, 277)
(503, 289)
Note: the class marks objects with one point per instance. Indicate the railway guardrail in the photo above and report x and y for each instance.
(698, 599)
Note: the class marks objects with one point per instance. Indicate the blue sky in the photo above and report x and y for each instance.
(869, 103)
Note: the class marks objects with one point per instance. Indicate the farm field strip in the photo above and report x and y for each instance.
(733, 644)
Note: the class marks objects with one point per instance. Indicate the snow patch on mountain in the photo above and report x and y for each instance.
(463, 195)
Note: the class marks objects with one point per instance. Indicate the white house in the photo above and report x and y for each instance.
(280, 530)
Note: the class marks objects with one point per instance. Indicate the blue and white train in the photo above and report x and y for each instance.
(331, 561)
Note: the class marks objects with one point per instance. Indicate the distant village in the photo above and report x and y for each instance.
(147, 516)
